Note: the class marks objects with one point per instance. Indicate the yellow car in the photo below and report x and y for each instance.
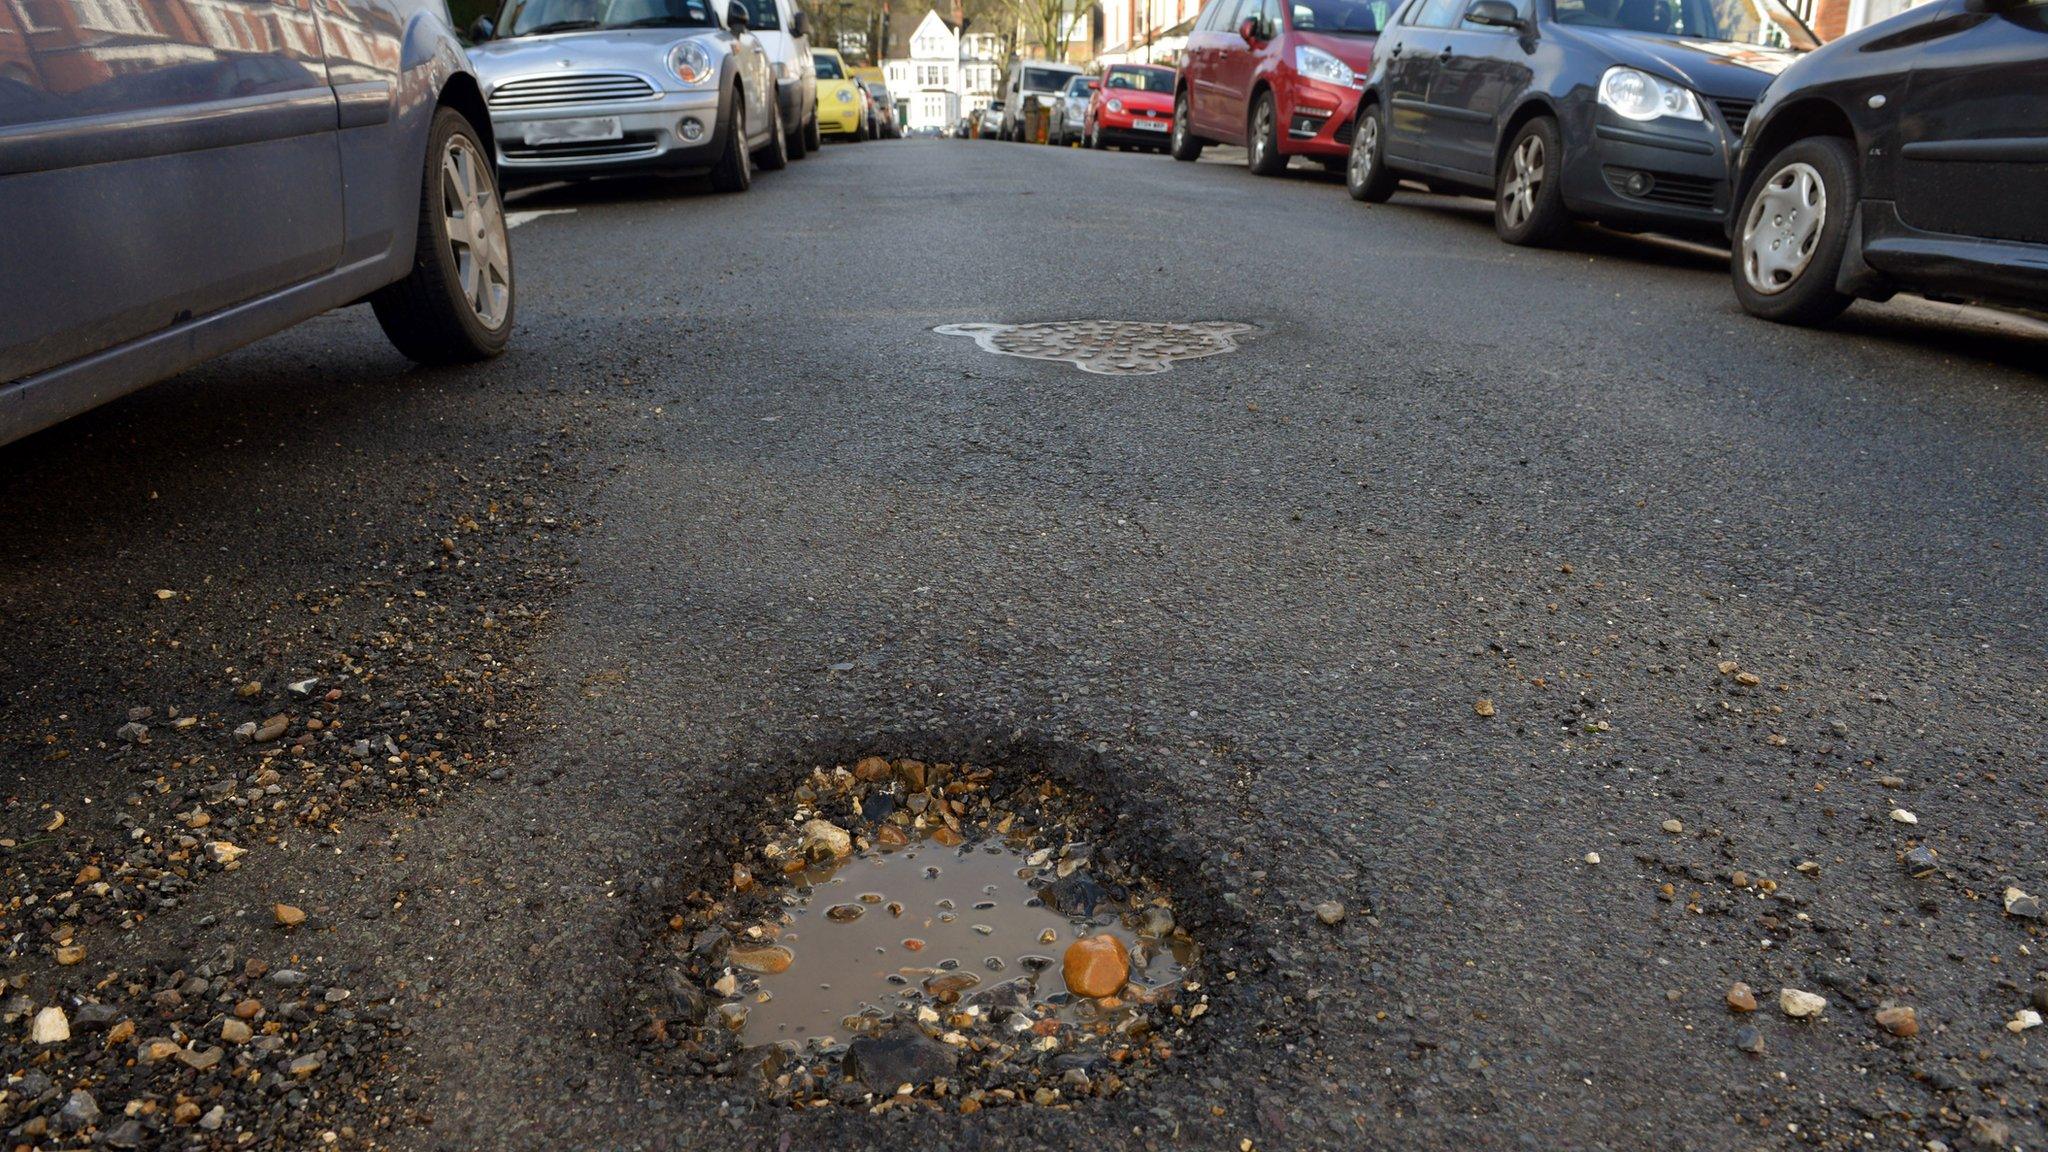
(842, 104)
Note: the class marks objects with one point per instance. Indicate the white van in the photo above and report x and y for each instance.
(1031, 84)
(784, 34)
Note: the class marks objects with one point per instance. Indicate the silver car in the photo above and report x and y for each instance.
(1070, 112)
(180, 177)
(612, 87)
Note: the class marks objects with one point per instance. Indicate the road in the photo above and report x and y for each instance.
(729, 509)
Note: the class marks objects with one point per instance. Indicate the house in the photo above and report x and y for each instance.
(945, 76)
(1146, 31)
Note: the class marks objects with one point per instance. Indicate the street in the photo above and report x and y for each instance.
(1467, 566)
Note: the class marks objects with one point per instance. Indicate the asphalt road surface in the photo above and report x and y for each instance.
(730, 508)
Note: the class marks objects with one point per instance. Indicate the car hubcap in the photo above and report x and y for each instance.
(1362, 150)
(1783, 229)
(1180, 124)
(1525, 180)
(475, 224)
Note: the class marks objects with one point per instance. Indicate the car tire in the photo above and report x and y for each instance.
(453, 307)
(1805, 199)
(734, 171)
(860, 130)
(1262, 136)
(1528, 190)
(774, 155)
(1186, 146)
(814, 138)
(1366, 175)
(797, 147)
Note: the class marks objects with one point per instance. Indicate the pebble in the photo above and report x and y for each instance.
(902, 1055)
(2041, 997)
(236, 1031)
(288, 915)
(766, 958)
(1742, 998)
(1920, 862)
(1483, 707)
(1799, 1004)
(2018, 903)
(80, 1111)
(212, 1121)
(2027, 1018)
(271, 729)
(69, 954)
(132, 733)
(1749, 1040)
(1674, 827)
(1592, 857)
(823, 837)
(249, 688)
(1096, 966)
(1899, 1020)
(1330, 912)
(1901, 816)
(50, 1026)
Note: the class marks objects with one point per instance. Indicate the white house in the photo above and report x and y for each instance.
(945, 76)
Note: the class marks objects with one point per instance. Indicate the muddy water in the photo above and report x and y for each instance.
(925, 911)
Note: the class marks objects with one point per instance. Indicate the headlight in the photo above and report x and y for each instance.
(1116, 105)
(846, 95)
(1636, 94)
(691, 63)
(1317, 64)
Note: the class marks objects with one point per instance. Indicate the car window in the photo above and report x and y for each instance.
(762, 15)
(1444, 13)
(1144, 79)
(1212, 16)
(1045, 79)
(1340, 17)
(1759, 22)
(1078, 86)
(533, 17)
(828, 67)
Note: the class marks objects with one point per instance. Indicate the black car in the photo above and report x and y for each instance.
(1911, 156)
(1627, 112)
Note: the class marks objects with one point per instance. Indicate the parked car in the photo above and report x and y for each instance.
(1622, 111)
(167, 200)
(784, 32)
(1132, 107)
(1030, 85)
(842, 102)
(1279, 78)
(963, 128)
(885, 126)
(611, 87)
(1069, 112)
(991, 124)
(1911, 156)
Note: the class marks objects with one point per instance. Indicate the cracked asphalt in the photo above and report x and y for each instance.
(740, 512)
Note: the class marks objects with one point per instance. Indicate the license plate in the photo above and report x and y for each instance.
(566, 131)
(1150, 125)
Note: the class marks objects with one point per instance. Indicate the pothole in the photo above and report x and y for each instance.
(929, 934)
(1106, 347)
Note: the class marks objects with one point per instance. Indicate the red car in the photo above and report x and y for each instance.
(1280, 77)
(1130, 106)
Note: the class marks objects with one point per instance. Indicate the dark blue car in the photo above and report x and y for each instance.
(180, 177)
(1626, 112)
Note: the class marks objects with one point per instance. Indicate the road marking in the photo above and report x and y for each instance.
(515, 219)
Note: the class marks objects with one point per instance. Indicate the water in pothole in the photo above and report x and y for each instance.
(882, 930)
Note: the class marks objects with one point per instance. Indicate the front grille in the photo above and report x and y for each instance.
(1736, 113)
(632, 144)
(571, 88)
(1695, 192)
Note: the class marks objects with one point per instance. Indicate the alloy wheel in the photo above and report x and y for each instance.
(475, 223)
(1262, 124)
(1783, 228)
(1518, 195)
(1365, 150)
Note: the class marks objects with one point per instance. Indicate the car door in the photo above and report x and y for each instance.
(1420, 36)
(1236, 60)
(1973, 127)
(1208, 96)
(1478, 72)
(169, 160)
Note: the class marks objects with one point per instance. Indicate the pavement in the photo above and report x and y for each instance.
(1469, 562)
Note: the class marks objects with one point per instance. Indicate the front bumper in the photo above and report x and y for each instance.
(1654, 175)
(1124, 128)
(652, 138)
(1315, 112)
(840, 118)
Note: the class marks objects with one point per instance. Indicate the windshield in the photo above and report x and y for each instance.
(1077, 87)
(1044, 79)
(762, 15)
(1140, 79)
(1764, 23)
(1343, 17)
(828, 68)
(535, 17)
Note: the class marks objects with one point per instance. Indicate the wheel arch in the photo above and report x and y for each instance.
(1803, 119)
(462, 93)
(1529, 109)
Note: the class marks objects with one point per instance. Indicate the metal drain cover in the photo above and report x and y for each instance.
(1107, 347)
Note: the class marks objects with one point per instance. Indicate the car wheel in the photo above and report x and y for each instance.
(1794, 229)
(1366, 175)
(1264, 158)
(1528, 197)
(797, 147)
(1186, 145)
(860, 130)
(734, 171)
(456, 303)
(774, 156)
(814, 139)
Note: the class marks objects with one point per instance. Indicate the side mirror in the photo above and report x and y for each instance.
(481, 29)
(1249, 30)
(1095, 85)
(799, 24)
(1494, 14)
(737, 17)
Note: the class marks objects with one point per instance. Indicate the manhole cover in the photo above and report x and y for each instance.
(1108, 347)
(930, 925)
